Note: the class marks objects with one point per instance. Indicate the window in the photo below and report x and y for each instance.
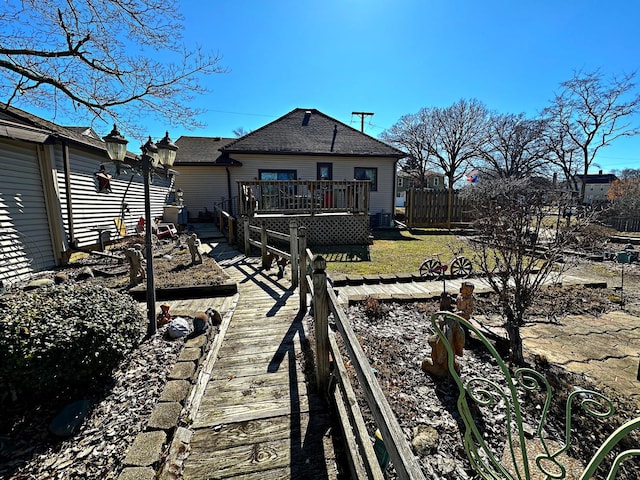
(436, 181)
(277, 174)
(400, 182)
(362, 173)
(324, 171)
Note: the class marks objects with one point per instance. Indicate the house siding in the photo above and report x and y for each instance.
(95, 211)
(204, 187)
(25, 239)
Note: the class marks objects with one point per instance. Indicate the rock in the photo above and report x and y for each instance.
(60, 278)
(425, 439)
(38, 283)
(165, 416)
(85, 273)
(146, 449)
(214, 316)
(69, 420)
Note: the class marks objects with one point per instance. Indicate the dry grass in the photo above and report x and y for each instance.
(393, 251)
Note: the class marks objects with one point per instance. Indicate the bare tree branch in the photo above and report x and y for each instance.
(105, 59)
(592, 112)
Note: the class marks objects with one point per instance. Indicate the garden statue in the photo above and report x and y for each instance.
(194, 248)
(135, 258)
(437, 364)
(446, 302)
(164, 316)
(281, 262)
(465, 301)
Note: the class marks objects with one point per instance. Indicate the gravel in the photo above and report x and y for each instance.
(395, 342)
(120, 410)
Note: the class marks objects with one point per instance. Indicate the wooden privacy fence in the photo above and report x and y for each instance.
(431, 208)
(624, 224)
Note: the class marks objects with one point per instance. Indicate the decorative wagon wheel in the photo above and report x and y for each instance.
(461, 267)
(431, 268)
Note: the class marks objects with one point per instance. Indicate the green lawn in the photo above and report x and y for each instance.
(393, 251)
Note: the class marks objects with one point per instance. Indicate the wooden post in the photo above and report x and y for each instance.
(302, 254)
(247, 233)
(232, 233)
(321, 323)
(408, 207)
(264, 240)
(293, 248)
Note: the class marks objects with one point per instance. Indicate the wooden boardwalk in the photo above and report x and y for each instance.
(257, 418)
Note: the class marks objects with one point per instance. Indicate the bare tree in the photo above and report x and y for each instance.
(515, 147)
(106, 59)
(240, 132)
(455, 136)
(516, 250)
(562, 151)
(593, 112)
(409, 134)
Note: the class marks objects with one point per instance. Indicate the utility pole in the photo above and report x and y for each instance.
(362, 115)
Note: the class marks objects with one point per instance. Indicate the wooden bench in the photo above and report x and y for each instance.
(523, 457)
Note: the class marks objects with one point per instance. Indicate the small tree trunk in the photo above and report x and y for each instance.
(515, 340)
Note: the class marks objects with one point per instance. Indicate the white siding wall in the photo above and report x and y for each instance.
(94, 211)
(203, 187)
(25, 240)
(381, 200)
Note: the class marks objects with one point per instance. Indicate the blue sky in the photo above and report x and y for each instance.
(393, 57)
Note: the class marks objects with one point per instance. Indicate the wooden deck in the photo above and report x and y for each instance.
(257, 419)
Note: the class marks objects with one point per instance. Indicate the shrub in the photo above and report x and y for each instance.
(60, 340)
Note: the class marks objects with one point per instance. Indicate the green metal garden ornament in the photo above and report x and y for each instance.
(515, 462)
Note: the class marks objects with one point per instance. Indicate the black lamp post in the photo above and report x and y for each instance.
(163, 153)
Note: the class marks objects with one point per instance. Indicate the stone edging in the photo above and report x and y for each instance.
(179, 400)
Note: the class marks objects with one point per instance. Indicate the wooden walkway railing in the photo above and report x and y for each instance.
(309, 273)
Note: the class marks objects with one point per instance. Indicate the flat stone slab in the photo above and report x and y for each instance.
(182, 371)
(190, 354)
(165, 416)
(196, 342)
(137, 473)
(146, 449)
(175, 391)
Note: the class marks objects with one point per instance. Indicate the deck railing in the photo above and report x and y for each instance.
(303, 196)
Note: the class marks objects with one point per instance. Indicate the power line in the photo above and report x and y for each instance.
(362, 115)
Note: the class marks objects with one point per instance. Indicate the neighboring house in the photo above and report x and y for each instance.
(204, 174)
(406, 180)
(59, 193)
(596, 186)
(304, 144)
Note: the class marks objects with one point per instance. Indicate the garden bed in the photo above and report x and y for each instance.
(395, 342)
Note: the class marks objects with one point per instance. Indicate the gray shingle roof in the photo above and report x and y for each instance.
(201, 150)
(73, 134)
(308, 131)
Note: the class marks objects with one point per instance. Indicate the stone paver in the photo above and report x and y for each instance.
(175, 391)
(146, 448)
(165, 415)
